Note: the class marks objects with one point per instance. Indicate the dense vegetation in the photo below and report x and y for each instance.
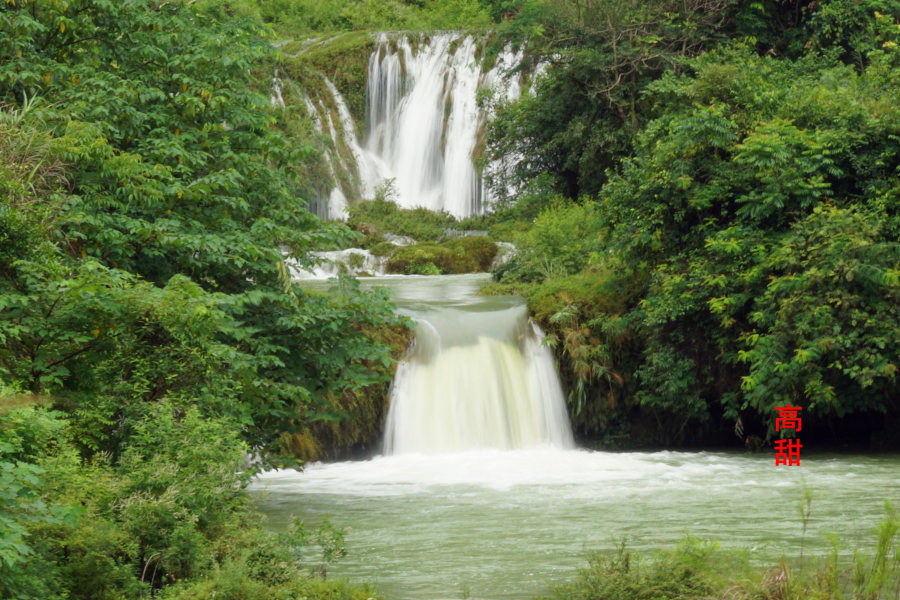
(713, 197)
(150, 337)
(707, 222)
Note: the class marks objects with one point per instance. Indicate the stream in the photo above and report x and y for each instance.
(514, 509)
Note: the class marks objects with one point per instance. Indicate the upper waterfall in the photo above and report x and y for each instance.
(423, 125)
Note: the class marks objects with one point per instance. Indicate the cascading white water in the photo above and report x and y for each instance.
(424, 126)
(352, 261)
(424, 122)
(476, 380)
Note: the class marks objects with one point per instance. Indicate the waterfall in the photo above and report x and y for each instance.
(423, 120)
(476, 380)
(424, 128)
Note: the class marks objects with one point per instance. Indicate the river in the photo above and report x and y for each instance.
(427, 521)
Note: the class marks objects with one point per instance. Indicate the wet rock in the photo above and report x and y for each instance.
(367, 229)
(399, 240)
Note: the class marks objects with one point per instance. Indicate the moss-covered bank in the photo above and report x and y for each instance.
(363, 410)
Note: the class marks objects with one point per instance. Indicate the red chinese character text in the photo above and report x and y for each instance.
(787, 418)
(787, 452)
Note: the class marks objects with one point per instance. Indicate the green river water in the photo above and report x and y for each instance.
(509, 524)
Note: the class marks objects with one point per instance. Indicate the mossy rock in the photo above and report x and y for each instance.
(480, 250)
(382, 249)
(592, 292)
(427, 259)
(464, 255)
(344, 59)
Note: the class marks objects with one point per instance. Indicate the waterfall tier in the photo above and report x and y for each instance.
(476, 380)
(424, 128)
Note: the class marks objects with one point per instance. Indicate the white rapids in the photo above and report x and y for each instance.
(477, 380)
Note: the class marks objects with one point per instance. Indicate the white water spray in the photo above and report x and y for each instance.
(476, 380)
(424, 127)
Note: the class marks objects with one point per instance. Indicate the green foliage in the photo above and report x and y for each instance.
(150, 227)
(171, 510)
(698, 569)
(578, 120)
(560, 242)
(21, 506)
(826, 318)
(297, 17)
(386, 216)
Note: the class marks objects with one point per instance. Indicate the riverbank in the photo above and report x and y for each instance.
(512, 525)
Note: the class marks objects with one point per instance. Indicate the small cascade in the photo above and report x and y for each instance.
(476, 380)
(352, 261)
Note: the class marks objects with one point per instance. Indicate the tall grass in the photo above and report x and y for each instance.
(702, 570)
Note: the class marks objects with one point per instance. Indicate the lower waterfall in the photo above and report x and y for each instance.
(476, 380)
(460, 498)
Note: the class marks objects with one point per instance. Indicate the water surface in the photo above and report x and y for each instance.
(508, 524)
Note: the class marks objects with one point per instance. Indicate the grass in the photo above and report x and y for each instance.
(17, 401)
(701, 570)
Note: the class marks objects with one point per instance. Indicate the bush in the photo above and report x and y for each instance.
(559, 243)
(464, 255)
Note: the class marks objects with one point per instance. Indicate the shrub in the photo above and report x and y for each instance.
(464, 255)
(559, 243)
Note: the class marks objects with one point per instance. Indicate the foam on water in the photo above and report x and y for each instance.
(509, 523)
(544, 465)
(476, 380)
